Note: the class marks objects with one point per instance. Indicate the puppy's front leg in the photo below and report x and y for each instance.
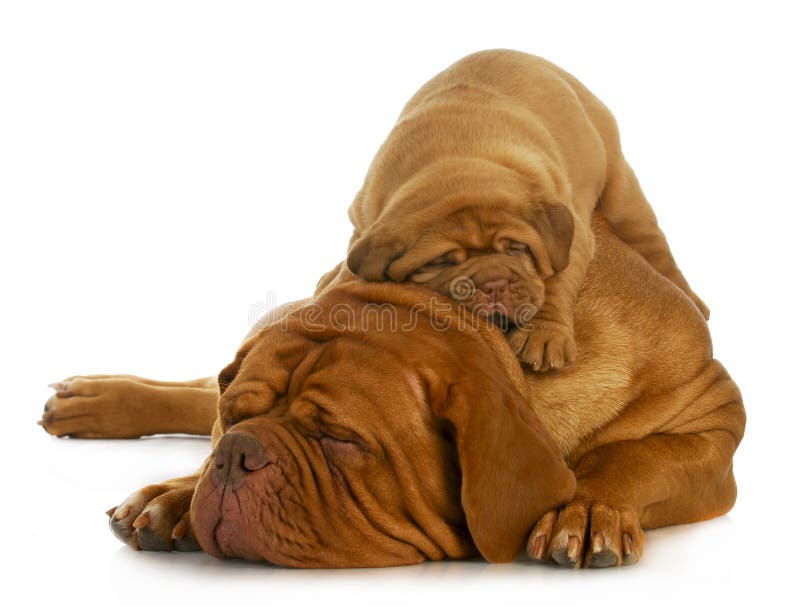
(547, 342)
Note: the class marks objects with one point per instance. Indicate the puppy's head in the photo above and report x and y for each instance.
(354, 437)
(488, 241)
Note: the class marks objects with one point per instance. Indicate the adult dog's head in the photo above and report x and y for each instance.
(369, 429)
(473, 230)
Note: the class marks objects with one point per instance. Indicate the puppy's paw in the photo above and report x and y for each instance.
(590, 535)
(95, 407)
(156, 517)
(544, 345)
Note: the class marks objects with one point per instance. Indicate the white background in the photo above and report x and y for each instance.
(166, 167)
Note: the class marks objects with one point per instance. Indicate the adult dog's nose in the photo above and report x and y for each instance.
(495, 289)
(238, 453)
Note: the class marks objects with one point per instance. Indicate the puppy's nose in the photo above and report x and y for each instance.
(238, 453)
(495, 289)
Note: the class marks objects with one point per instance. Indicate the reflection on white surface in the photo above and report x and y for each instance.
(681, 561)
(64, 529)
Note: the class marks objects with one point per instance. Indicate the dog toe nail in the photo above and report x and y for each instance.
(180, 530)
(573, 545)
(598, 542)
(627, 544)
(142, 520)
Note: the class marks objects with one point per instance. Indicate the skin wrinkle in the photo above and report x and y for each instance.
(278, 499)
(323, 487)
(361, 498)
(416, 502)
(365, 507)
(406, 477)
(306, 368)
(358, 498)
(317, 483)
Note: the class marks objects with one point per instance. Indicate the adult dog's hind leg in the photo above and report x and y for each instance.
(124, 406)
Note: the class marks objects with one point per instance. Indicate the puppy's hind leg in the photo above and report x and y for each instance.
(124, 406)
(624, 205)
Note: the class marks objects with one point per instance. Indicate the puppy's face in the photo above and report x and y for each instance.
(338, 447)
(493, 260)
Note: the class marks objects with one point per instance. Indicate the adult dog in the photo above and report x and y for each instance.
(492, 172)
(374, 426)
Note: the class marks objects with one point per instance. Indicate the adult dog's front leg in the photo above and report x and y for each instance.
(156, 517)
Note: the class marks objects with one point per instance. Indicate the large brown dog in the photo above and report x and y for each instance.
(372, 427)
(491, 174)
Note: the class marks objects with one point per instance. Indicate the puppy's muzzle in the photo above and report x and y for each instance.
(495, 290)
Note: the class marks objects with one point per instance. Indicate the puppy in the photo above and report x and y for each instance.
(490, 177)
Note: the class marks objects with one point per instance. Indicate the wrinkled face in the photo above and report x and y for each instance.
(492, 260)
(317, 466)
(358, 445)
(486, 266)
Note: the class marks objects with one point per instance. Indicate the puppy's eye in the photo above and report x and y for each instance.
(517, 248)
(439, 262)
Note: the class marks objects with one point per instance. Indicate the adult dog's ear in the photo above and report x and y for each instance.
(511, 470)
(371, 254)
(555, 225)
(228, 374)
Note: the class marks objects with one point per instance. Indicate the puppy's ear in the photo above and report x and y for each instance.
(555, 225)
(511, 470)
(371, 254)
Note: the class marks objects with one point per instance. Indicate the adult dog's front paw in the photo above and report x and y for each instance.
(544, 344)
(591, 535)
(156, 517)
